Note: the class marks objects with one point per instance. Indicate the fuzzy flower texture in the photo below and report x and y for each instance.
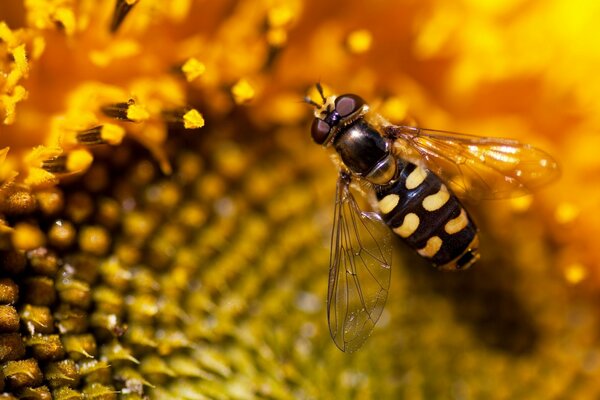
(165, 216)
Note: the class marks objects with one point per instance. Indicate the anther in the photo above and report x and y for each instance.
(122, 8)
(129, 111)
(242, 92)
(101, 134)
(75, 161)
(189, 118)
(192, 69)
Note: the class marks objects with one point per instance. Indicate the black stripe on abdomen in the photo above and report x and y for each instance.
(428, 217)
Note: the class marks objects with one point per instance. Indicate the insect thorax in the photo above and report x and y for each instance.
(365, 152)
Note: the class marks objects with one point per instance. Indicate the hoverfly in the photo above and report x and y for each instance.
(416, 176)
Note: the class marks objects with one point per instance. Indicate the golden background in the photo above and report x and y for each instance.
(187, 255)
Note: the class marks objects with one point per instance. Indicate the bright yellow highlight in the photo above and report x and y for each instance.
(36, 176)
(575, 273)
(137, 113)
(280, 16)
(117, 50)
(193, 119)
(395, 109)
(359, 41)
(78, 160)
(193, 69)
(20, 58)
(112, 134)
(521, 203)
(566, 212)
(6, 35)
(9, 102)
(48, 14)
(66, 18)
(277, 37)
(15, 68)
(242, 91)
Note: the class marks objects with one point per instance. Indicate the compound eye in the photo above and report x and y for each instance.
(319, 130)
(347, 104)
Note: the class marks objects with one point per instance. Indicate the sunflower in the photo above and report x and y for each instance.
(165, 218)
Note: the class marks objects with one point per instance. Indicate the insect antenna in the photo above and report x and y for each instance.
(311, 101)
(321, 93)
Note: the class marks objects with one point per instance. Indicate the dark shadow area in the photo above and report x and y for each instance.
(482, 297)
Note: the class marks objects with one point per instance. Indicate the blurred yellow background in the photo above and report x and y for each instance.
(189, 228)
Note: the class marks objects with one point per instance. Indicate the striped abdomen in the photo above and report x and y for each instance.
(428, 216)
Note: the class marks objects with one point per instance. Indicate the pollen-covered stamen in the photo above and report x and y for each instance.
(129, 111)
(122, 8)
(101, 134)
(273, 54)
(243, 92)
(278, 21)
(75, 161)
(117, 110)
(55, 165)
(188, 118)
(192, 69)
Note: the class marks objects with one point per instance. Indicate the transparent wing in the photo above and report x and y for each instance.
(477, 167)
(359, 272)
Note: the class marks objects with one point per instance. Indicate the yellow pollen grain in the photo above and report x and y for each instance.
(575, 273)
(359, 41)
(38, 177)
(20, 57)
(457, 224)
(66, 18)
(409, 225)
(192, 69)
(388, 203)
(137, 113)
(436, 201)
(6, 35)
(37, 49)
(112, 134)
(27, 237)
(9, 103)
(193, 119)
(242, 91)
(395, 108)
(280, 16)
(432, 247)
(79, 160)
(415, 178)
